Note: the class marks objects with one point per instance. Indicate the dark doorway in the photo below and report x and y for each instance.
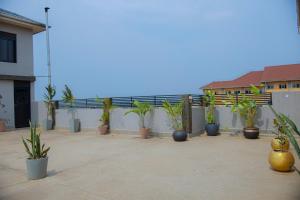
(22, 103)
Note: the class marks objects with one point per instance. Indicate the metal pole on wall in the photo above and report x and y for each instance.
(298, 14)
(48, 46)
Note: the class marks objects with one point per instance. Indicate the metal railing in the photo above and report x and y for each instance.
(127, 102)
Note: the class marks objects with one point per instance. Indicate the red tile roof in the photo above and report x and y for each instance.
(251, 78)
(281, 73)
(270, 74)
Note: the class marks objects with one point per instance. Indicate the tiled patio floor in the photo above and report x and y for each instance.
(122, 167)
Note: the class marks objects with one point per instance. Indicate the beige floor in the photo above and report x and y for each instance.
(122, 167)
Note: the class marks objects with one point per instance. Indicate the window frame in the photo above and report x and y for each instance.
(282, 88)
(12, 37)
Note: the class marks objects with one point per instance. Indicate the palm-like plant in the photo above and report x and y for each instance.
(33, 145)
(286, 127)
(246, 107)
(69, 99)
(210, 100)
(48, 100)
(141, 109)
(175, 113)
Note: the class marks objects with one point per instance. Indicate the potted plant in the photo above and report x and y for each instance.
(211, 127)
(280, 158)
(2, 121)
(37, 160)
(105, 117)
(174, 113)
(69, 99)
(141, 109)
(48, 100)
(247, 108)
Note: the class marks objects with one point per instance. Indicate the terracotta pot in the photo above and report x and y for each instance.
(2, 126)
(251, 133)
(144, 132)
(103, 129)
(278, 145)
(282, 161)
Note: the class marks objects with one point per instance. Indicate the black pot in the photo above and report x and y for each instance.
(251, 133)
(212, 129)
(179, 136)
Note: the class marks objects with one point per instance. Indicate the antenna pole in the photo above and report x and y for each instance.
(48, 46)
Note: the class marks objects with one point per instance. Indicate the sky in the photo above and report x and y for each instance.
(147, 47)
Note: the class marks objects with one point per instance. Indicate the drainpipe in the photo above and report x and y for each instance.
(48, 46)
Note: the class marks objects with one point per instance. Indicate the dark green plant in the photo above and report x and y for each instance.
(69, 99)
(33, 145)
(246, 106)
(141, 109)
(210, 100)
(287, 127)
(48, 100)
(175, 113)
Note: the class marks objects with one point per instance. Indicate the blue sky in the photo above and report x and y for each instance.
(143, 47)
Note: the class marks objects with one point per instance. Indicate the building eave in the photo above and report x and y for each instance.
(17, 78)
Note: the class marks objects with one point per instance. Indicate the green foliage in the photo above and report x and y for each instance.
(246, 106)
(48, 99)
(210, 100)
(286, 127)
(175, 114)
(68, 96)
(107, 108)
(33, 145)
(141, 109)
(69, 99)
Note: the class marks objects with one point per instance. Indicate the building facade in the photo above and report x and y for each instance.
(283, 78)
(16, 68)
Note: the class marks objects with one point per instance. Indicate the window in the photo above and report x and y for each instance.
(296, 85)
(282, 86)
(237, 92)
(228, 92)
(247, 92)
(270, 86)
(8, 51)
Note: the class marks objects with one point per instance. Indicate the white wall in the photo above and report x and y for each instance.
(7, 93)
(24, 65)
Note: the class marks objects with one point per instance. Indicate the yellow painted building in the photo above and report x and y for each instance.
(271, 79)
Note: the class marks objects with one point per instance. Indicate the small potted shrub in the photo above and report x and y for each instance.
(174, 113)
(37, 160)
(48, 100)
(105, 117)
(247, 108)
(211, 127)
(141, 109)
(69, 99)
(280, 158)
(2, 121)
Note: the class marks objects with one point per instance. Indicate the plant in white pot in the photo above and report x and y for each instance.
(141, 109)
(37, 160)
(69, 99)
(2, 121)
(174, 113)
(48, 100)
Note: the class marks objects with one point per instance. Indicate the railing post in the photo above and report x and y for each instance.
(86, 103)
(131, 103)
(154, 100)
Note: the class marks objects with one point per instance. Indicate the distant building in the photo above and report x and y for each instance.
(16, 67)
(271, 79)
